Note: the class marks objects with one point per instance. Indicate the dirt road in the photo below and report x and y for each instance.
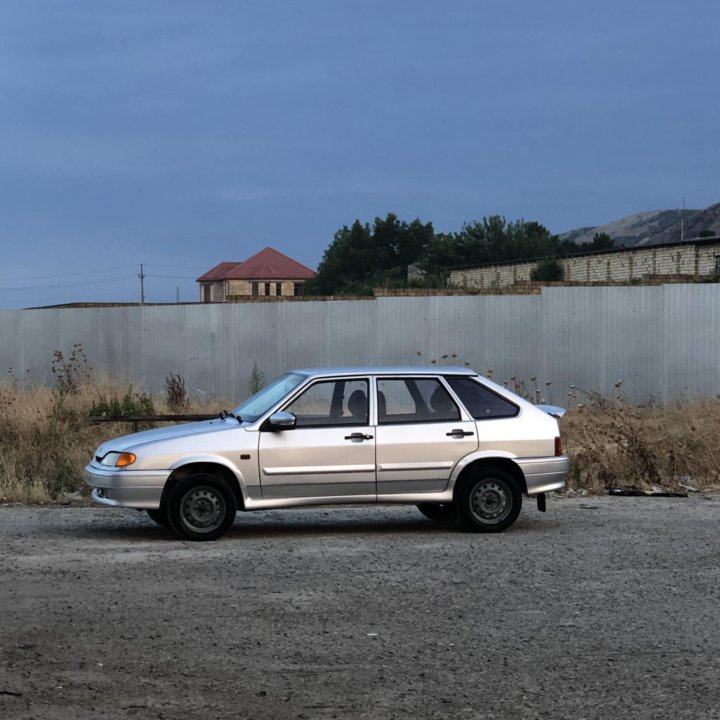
(600, 608)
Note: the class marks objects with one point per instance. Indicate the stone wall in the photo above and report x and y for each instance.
(243, 288)
(235, 290)
(691, 260)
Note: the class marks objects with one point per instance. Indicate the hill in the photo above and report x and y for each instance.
(653, 227)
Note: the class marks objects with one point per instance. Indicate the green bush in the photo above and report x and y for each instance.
(132, 403)
(548, 270)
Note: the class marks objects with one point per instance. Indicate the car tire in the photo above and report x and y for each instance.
(201, 507)
(488, 500)
(440, 512)
(159, 516)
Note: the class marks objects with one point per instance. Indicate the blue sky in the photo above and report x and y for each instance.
(180, 134)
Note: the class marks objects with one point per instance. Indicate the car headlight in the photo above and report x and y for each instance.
(118, 459)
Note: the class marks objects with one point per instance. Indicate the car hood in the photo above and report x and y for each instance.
(171, 432)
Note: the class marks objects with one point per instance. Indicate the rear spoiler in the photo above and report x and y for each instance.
(553, 410)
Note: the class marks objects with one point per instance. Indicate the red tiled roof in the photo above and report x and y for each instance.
(268, 264)
(218, 272)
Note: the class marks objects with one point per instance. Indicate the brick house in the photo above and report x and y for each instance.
(268, 273)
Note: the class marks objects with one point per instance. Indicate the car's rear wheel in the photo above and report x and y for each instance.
(159, 516)
(201, 507)
(441, 512)
(488, 500)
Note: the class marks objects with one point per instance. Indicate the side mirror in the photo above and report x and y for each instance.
(281, 420)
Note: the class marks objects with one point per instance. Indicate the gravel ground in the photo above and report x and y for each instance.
(600, 608)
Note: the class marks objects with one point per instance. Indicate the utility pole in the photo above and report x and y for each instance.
(682, 222)
(142, 285)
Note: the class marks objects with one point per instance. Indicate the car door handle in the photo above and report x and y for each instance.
(358, 436)
(458, 433)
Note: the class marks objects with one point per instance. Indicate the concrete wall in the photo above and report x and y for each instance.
(663, 341)
(691, 259)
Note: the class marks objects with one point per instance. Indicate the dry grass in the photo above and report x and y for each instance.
(46, 440)
(612, 443)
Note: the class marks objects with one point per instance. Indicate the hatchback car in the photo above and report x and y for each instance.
(448, 440)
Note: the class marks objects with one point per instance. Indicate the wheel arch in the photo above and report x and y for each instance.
(501, 463)
(209, 468)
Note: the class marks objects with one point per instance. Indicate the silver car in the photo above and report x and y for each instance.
(448, 440)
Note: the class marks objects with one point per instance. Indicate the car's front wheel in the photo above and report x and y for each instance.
(488, 500)
(201, 507)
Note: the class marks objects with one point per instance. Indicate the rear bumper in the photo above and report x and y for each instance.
(126, 488)
(544, 474)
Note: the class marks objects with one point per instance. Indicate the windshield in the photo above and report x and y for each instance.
(258, 404)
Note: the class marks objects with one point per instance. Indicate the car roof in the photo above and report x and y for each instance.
(387, 370)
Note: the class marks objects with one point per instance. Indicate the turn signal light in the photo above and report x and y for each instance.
(558, 446)
(124, 459)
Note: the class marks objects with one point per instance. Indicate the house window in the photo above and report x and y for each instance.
(278, 289)
(267, 289)
(255, 289)
(717, 264)
(298, 289)
(206, 293)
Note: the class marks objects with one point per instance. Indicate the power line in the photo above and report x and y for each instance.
(99, 280)
(103, 281)
(178, 267)
(171, 277)
(61, 275)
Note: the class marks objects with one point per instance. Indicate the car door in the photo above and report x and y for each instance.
(331, 450)
(421, 435)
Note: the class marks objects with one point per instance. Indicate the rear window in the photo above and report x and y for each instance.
(481, 403)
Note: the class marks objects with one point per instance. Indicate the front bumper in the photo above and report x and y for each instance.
(126, 488)
(544, 475)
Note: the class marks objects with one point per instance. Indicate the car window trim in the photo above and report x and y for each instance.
(316, 381)
(462, 410)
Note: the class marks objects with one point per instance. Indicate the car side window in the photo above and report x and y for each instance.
(481, 403)
(412, 400)
(332, 402)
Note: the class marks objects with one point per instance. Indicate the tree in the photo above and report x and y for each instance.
(600, 241)
(362, 257)
(490, 240)
(344, 262)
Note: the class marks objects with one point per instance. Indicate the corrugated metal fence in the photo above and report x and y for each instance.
(663, 342)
